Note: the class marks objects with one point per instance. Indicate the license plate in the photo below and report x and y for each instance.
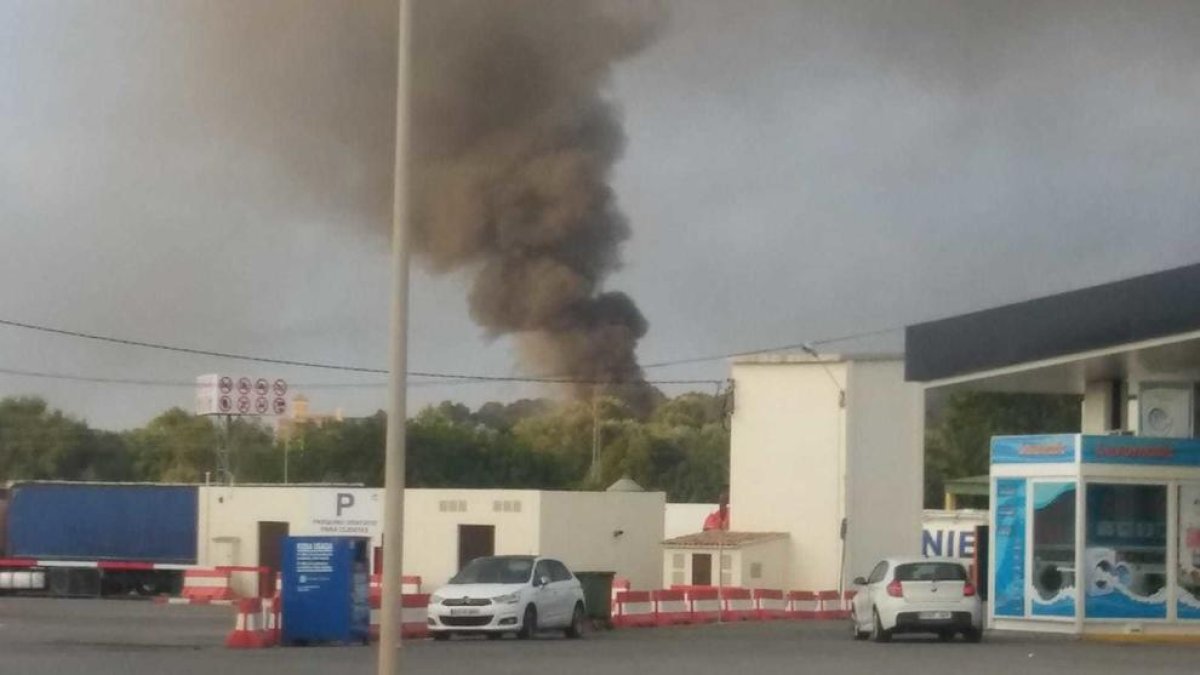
(464, 612)
(934, 616)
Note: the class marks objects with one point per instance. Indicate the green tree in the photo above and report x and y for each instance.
(175, 447)
(958, 444)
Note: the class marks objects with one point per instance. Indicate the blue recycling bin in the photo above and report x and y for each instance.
(325, 588)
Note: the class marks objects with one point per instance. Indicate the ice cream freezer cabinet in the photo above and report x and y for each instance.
(1095, 534)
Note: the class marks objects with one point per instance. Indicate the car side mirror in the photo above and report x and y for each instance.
(859, 581)
(538, 582)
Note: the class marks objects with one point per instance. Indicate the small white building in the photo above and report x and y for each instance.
(818, 442)
(748, 559)
(590, 531)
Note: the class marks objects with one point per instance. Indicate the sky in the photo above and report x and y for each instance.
(217, 176)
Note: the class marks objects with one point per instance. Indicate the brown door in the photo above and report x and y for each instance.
(475, 541)
(701, 569)
(270, 554)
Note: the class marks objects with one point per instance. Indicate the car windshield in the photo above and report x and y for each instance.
(495, 571)
(933, 571)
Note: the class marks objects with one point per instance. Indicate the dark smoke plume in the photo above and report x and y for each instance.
(514, 142)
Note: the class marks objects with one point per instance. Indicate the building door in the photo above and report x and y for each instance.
(702, 569)
(270, 554)
(475, 541)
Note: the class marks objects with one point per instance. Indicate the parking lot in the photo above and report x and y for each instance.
(65, 637)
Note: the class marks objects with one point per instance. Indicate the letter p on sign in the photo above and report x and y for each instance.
(345, 500)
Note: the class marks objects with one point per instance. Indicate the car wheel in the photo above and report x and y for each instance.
(878, 634)
(441, 636)
(528, 624)
(855, 632)
(578, 619)
(973, 635)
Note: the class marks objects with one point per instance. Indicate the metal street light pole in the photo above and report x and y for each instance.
(390, 654)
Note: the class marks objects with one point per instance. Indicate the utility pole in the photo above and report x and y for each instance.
(595, 470)
(390, 646)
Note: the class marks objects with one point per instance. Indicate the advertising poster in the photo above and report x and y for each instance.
(1009, 575)
(1189, 551)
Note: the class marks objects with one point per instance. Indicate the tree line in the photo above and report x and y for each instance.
(681, 447)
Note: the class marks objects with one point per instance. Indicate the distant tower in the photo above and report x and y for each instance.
(300, 407)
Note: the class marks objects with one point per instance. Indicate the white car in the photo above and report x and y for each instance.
(916, 595)
(498, 595)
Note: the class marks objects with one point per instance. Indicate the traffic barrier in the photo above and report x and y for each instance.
(414, 616)
(619, 585)
(272, 623)
(248, 632)
(769, 604)
(830, 605)
(409, 585)
(706, 604)
(671, 608)
(802, 605)
(847, 603)
(737, 604)
(634, 609)
(204, 586)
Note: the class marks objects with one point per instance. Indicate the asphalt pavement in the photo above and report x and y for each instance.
(110, 637)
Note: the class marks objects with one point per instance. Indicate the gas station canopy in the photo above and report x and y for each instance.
(1139, 329)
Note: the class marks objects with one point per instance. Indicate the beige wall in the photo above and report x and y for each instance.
(684, 519)
(772, 557)
(800, 462)
(229, 517)
(580, 528)
(577, 526)
(785, 463)
(885, 472)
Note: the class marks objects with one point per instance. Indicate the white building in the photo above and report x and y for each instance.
(819, 441)
(590, 531)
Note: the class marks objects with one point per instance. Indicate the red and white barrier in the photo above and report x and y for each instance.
(671, 608)
(769, 605)
(737, 604)
(410, 585)
(619, 586)
(204, 586)
(272, 620)
(830, 605)
(706, 604)
(634, 609)
(249, 631)
(802, 605)
(414, 616)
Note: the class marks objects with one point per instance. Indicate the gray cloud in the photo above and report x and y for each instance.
(792, 170)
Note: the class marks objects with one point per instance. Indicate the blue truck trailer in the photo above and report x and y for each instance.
(90, 539)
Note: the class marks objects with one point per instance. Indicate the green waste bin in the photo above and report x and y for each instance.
(597, 595)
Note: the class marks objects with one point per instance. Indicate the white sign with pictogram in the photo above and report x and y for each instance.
(244, 395)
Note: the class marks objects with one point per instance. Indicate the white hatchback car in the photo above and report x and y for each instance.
(916, 595)
(508, 594)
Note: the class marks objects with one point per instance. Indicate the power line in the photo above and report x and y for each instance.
(465, 377)
(449, 380)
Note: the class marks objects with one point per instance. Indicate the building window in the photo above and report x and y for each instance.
(677, 562)
(452, 506)
(506, 506)
(756, 570)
